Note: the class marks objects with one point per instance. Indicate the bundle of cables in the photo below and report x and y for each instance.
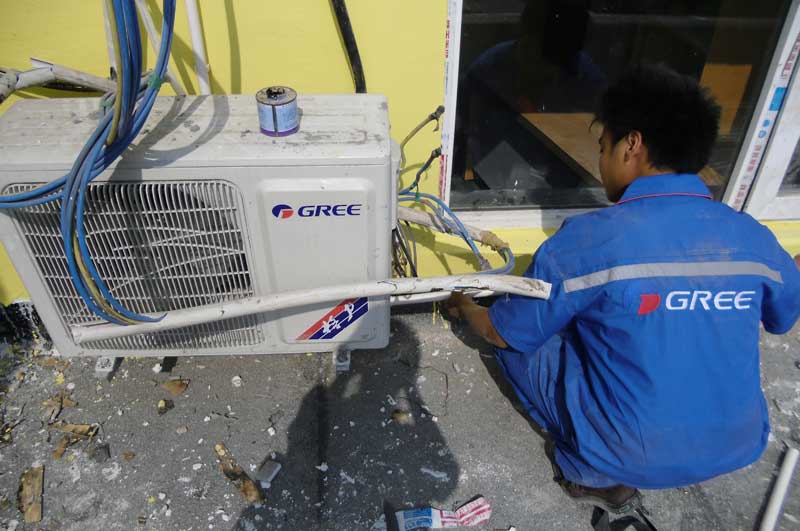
(126, 111)
(411, 194)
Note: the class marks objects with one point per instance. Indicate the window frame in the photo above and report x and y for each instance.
(766, 200)
(754, 183)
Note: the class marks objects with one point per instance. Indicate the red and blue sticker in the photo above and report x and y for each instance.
(332, 323)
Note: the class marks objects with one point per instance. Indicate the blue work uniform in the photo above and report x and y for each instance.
(643, 364)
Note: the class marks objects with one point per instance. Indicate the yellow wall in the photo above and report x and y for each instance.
(252, 44)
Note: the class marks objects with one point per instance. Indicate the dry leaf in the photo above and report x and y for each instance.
(55, 404)
(50, 361)
(127, 456)
(66, 441)
(29, 496)
(247, 487)
(176, 387)
(84, 431)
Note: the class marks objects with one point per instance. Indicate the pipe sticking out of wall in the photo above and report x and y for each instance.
(198, 46)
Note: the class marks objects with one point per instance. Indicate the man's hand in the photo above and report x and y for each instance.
(456, 303)
(797, 260)
(460, 306)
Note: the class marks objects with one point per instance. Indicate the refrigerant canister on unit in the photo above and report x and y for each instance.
(204, 208)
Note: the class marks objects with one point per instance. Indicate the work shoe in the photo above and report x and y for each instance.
(619, 499)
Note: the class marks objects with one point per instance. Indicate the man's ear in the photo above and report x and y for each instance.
(634, 145)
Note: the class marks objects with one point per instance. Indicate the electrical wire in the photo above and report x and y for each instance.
(432, 117)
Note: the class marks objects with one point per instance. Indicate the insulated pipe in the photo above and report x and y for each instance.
(292, 299)
(198, 46)
(429, 220)
(48, 74)
(155, 42)
(434, 296)
(779, 491)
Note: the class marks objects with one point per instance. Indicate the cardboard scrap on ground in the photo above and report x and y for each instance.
(176, 387)
(29, 496)
(247, 487)
(473, 513)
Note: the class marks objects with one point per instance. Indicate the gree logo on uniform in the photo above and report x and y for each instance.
(721, 300)
(697, 300)
(315, 211)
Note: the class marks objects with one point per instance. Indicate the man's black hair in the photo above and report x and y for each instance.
(677, 118)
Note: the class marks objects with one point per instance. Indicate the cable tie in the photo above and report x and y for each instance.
(155, 81)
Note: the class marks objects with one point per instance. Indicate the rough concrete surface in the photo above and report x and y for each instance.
(346, 453)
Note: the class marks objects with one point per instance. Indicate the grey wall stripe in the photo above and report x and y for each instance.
(670, 269)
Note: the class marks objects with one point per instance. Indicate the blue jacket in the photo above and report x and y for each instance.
(660, 297)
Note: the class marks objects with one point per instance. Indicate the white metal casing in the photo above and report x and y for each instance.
(189, 206)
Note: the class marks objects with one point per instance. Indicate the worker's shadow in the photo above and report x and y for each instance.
(351, 455)
(487, 354)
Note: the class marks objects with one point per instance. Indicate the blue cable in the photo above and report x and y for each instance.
(458, 227)
(461, 229)
(90, 172)
(95, 156)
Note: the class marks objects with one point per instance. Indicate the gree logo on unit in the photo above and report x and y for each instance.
(315, 211)
(697, 300)
(282, 211)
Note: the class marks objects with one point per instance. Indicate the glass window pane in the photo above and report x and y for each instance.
(531, 73)
(791, 182)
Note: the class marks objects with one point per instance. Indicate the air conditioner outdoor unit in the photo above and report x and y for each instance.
(204, 208)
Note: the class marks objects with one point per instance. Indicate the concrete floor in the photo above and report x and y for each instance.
(344, 457)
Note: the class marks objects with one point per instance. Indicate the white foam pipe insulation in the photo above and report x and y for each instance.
(291, 299)
(198, 46)
(400, 291)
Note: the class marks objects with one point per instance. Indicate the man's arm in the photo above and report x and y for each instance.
(460, 306)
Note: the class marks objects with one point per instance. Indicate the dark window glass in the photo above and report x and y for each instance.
(531, 73)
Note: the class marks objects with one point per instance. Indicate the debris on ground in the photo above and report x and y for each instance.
(471, 514)
(236, 381)
(164, 406)
(55, 404)
(100, 453)
(128, 456)
(84, 431)
(5, 430)
(50, 361)
(29, 496)
(402, 417)
(73, 433)
(227, 464)
(176, 387)
(266, 473)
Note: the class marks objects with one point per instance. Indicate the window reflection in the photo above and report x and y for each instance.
(531, 73)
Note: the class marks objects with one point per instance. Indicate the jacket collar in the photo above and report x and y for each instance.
(670, 184)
